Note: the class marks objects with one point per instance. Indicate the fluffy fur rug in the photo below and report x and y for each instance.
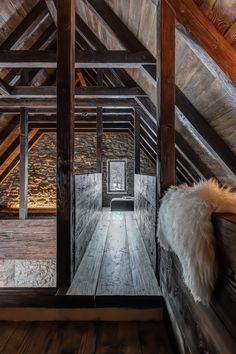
(185, 226)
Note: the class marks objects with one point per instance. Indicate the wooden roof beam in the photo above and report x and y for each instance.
(117, 27)
(189, 14)
(204, 129)
(87, 91)
(36, 16)
(84, 59)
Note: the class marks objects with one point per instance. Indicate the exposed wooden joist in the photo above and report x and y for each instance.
(79, 102)
(189, 14)
(114, 24)
(65, 139)
(187, 166)
(25, 28)
(99, 127)
(43, 42)
(14, 122)
(78, 110)
(52, 10)
(5, 89)
(206, 131)
(186, 150)
(89, 91)
(166, 96)
(14, 159)
(137, 143)
(84, 59)
(23, 209)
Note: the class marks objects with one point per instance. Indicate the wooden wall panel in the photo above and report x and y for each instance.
(145, 211)
(28, 239)
(198, 328)
(224, 302)
(88, 207)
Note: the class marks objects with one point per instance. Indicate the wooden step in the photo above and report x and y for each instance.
(80, 314)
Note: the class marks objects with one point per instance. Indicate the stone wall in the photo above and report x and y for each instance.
(42, 168)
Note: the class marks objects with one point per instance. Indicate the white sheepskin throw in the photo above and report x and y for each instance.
(185, 227)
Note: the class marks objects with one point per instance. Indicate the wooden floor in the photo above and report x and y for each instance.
(116, 261)
(86, 338)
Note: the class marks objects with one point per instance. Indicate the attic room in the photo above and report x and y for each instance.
(118, 176)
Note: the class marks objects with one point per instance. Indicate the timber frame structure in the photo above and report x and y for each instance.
(86, 87)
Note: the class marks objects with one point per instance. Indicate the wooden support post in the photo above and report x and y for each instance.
(99, 127)
(65, 139)
(166, 95)
(23, 210)
(137, 143)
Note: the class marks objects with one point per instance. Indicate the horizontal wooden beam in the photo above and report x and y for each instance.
(79, 102)
(88, 91)
(189, 14)
(78, 111)
(84, 59)
(111, 118)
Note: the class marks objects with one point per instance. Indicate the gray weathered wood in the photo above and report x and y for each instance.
(144, 279)
(86, 277)
(115, 277)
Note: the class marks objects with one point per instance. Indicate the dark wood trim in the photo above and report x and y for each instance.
(24, 126)
(84, 59)
(65, 139)
(166, 96)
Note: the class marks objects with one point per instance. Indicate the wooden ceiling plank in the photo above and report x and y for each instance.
(18, 35)
(189, 14)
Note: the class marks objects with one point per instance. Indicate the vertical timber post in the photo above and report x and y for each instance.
(23, 209)
(166, 170)
(136, 142)
(99, 127)
(65, 139)
(166, 95)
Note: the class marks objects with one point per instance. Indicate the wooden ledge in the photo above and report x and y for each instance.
(83, 314)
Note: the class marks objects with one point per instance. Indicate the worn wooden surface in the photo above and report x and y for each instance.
(88, 207)
(116, 262)
(166, 171)
(65, 139)
(199, 328)
(224, 302)
(28, 239)
(79, 337)
(145, 212)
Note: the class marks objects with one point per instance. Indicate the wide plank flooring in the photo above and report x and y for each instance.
(84, 337)
(116, 261)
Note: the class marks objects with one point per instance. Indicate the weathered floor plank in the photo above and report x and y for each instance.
(115, 277)
(86, 277)
(84, 338)
(116, 261)
(144, 279)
